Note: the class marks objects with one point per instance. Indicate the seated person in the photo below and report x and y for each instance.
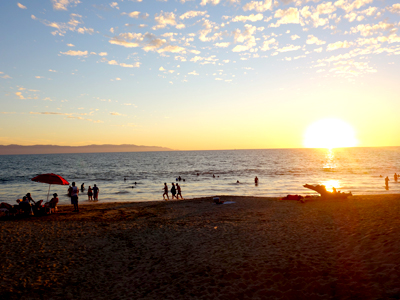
(28, 195)
(52, 204)
(24, 205)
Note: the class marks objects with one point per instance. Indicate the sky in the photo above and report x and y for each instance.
(198, 75)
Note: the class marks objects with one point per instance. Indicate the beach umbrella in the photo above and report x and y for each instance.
(50, 179)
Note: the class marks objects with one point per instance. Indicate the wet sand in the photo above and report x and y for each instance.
(255, 248)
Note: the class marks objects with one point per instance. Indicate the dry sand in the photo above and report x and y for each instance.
(255, 248)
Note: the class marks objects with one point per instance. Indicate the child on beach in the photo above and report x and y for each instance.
(165, 192)
(90, 193)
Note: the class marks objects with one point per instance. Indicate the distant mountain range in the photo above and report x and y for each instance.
(51, 149)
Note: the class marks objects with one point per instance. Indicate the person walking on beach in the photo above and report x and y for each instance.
(90, 193)
(173, 192)
(178, 187)
(95, 193)
(165, 192)
(74, 197)
(387, 182)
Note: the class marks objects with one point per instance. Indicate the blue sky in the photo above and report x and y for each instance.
(197, 74)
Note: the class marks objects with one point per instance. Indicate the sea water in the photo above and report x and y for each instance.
(140, 176)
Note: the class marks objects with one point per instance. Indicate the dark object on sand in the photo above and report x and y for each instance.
(292, 197)
(321, 189)
(218, 201)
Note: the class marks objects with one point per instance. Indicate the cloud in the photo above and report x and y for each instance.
(246, 38)
(5, 76)
(163, 19)
(314, 40)
(19, 95)
(21, 6)
(367, 29)
(62, 28)
(326, 8)
(294, 37)
(50, 70)
(70, 45)
(103, 54)
(114, 5)
(116, 114)
(259, 6)
(222, 45)
(289, 48)
(252, 18)
(213, 2)
(115, 63)
(395, 8)
(350, 5)
(192, 14)
(75, 53)
(338, 45)
(193, 73)
(134, 14)
(148, 42)
(63, 4)
(287, 16)
(266, 44)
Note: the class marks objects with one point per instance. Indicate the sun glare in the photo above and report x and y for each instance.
(330, 133)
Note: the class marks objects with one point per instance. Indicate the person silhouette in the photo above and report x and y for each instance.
(173, 191)
(165, 192)
(387, 182)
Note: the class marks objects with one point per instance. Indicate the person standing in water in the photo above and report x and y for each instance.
(165, 192)
(387, 182)
(95, 193)
(256, 180)
(90, 193)
(395, 177)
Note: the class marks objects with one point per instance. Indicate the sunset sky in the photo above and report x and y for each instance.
(203, 74)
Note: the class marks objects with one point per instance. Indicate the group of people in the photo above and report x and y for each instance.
(73, 192)
(396, 177)
(175, 191)
(31, 207)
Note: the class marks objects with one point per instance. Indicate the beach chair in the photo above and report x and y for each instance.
(51, 206)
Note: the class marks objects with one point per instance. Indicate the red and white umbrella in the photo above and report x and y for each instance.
(50, 179)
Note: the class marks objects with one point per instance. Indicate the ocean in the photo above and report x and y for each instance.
(280, 172)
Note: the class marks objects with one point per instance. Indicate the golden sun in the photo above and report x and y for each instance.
(330, 133)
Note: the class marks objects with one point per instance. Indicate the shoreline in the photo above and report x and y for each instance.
(256, 247)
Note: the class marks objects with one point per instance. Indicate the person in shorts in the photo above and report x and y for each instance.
(74, 197)
(178, 188)
(165, 191)
(95, 193)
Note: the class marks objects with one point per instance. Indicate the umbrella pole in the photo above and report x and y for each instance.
(48, 193)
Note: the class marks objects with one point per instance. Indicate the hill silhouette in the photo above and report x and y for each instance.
(53, 149)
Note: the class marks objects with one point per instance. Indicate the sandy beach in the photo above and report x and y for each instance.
(254, 248)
